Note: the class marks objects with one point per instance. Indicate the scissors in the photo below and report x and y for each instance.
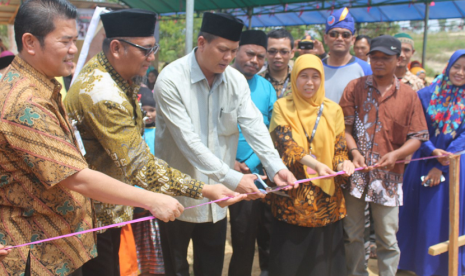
(262, 187)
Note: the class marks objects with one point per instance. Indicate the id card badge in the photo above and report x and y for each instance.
(77, 134)
(309, 170)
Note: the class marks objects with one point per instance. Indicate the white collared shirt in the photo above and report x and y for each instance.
(197, 129)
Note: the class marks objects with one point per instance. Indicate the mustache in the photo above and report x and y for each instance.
(252, 65)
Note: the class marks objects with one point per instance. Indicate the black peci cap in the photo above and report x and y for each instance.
(129, 23)
(223, 25)
(255, 37)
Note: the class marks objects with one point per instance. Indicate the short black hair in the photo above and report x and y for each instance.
(154, 71)
(281, 33)
(360, 37)
(37, 16)
(208, 36)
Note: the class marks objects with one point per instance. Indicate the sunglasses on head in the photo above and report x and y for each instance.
(335, 34)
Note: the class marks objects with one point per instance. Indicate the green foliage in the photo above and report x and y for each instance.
(416, 25)
(4, 35)
(173, 38)
(439, 48)
(430, 72)
(297, 32)
(376, 29)
(442, 24)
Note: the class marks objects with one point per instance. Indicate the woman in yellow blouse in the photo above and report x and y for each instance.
(308, 131)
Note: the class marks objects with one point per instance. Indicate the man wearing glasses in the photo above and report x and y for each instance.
(340, 66)
(102, 104)
(279, 52)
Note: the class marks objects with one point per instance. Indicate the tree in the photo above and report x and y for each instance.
(442, 24)
(4, 35)
(173, 38)
(378, 28)
(297, 32)
(416, 25)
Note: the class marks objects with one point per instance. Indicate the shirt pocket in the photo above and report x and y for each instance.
(398, 134)
(227, 123)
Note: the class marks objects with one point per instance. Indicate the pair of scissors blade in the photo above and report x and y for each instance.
(268, 189)
(277, 191)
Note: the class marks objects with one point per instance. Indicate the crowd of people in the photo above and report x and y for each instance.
(237, 110)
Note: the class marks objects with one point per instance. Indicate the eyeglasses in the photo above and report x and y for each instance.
(148, 51)
(335, 34)
(283, 52)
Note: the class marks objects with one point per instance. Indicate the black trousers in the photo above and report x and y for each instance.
(307, 251)
(107, 261)
(208, 240)
(27, 271)
(250, 221)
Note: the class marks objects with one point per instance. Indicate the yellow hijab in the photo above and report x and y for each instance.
(300, 113)
(416, 70)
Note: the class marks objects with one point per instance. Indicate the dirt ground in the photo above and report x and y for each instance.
(372, 263)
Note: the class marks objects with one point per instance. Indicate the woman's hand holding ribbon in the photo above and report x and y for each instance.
(444, 160)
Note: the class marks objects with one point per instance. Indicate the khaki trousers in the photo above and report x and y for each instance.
(386, 223)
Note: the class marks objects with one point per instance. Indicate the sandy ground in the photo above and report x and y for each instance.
(372, 264)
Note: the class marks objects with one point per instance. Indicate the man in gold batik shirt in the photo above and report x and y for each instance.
(103, 103)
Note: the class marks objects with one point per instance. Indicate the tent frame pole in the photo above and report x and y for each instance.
(249, 15)
(189, 25)
(425, 34)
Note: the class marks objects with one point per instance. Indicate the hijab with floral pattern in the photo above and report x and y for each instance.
(447, 104)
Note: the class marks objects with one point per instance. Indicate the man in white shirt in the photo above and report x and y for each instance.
(201, 101)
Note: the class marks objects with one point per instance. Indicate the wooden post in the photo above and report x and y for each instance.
(454, 190)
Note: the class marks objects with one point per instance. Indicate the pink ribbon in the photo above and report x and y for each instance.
(110, 226)
(210, 202)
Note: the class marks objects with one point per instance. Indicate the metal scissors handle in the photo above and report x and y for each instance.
(266, 189)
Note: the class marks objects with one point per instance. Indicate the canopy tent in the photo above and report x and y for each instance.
(378, 11)
(169, 6)
(9, 8)
(266, 13)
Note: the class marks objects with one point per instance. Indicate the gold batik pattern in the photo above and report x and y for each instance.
(308, 205)
(110, 121)
(37, 151)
